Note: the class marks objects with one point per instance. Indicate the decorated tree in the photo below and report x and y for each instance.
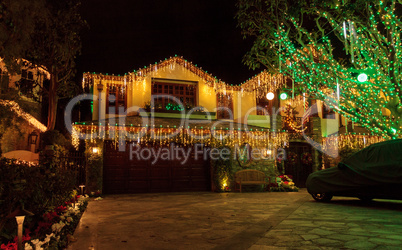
(51, 40)
(345, 53)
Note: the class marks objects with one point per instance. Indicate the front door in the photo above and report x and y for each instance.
(299, 162)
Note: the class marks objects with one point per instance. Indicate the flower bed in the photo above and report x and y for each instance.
(284, 183)
(56, 228)
(44, 191)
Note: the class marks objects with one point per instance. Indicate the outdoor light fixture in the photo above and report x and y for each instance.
(82, 189)
(270, 96)
(99, 87)
(283, 96)
(20, 221)
(269, 152)
(95, 150)
(33, 137)
(19, 214)
(362, 77)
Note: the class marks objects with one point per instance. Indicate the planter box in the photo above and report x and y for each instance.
(180, 115)
(259, 121)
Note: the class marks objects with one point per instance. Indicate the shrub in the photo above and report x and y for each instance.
(54, 137)
(34, 188)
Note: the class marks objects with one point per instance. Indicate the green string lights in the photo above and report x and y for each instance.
(283, 96)
(362, 77)
(370, 94)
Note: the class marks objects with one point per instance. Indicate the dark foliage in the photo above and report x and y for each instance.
(34, 188)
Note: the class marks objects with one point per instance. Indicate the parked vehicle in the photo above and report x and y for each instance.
(373, 172)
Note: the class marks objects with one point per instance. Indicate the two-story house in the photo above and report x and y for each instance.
(175, 102)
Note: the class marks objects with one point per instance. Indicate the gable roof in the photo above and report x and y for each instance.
(262, 82)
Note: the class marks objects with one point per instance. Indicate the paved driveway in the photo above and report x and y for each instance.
(237, 221)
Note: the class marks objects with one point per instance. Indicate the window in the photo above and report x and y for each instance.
(26, 83)
(264, 106)
(225, 106)
(327, 112)
(186, 92)
(116, 99)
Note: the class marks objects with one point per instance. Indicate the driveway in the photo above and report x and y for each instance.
(237, 221)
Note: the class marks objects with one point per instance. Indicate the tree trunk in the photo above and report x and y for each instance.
(52, 108)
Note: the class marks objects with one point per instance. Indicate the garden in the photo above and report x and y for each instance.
(277, 181)
(46, 196)
(44, 199)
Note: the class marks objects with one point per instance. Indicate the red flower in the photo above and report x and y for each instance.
(9, 246)
(24, 238)
(60, 209)
(50, 216)
(42, 225)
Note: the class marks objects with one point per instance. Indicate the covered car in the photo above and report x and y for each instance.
(373, 172)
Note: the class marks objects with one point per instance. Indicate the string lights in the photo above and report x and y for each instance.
(351, 141)
(162, 136)
(374, 99)
(261, 83)
(292, 123)
(14, 107)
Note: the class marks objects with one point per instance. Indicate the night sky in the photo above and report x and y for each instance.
(127, 35)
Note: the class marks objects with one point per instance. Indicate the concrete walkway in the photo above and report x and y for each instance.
(238, 221)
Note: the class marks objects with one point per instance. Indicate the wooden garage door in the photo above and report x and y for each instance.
(122, 174)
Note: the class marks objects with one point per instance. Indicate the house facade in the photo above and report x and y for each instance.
(174, 104)
(27, 85)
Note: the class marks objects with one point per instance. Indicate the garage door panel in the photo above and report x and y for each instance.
(138, 184)
(198, 172)
(137, 163)
(162, 185)
(178, 172)
(113, 160)
(125, 175)
(115, 187)
(116, 171)
(162, 171)
(180, 184)
(137, 173)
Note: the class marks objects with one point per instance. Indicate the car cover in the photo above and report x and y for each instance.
(377, 164)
